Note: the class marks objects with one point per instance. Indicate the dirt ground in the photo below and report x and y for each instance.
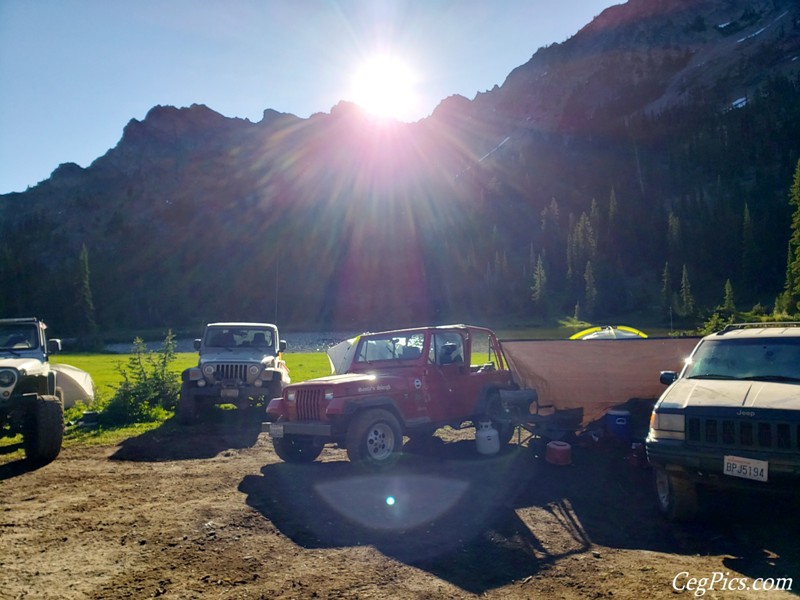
(210, 512)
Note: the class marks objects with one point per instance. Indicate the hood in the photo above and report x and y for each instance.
(28, 365)
(226, 356)
(360, 383)
(698, 393)
(342, 379)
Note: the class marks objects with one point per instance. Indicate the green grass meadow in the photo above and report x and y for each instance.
(105, 372)
(105, 368)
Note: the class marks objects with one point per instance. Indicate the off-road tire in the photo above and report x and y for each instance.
(274, 390)
(676, 497)
(297, 449)
(374, 439)
(44, 432)
(187, 411)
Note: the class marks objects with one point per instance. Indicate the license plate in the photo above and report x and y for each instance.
(746, 468)
(229, 393)
(276, 430)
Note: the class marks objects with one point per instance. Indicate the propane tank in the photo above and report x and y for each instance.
(486, 438)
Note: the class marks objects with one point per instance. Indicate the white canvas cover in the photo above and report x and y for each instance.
(341, 355)
(76, 383)
(595, 375)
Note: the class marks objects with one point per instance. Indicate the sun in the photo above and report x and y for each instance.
(384, 86)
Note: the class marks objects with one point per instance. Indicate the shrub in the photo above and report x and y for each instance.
(149, 390)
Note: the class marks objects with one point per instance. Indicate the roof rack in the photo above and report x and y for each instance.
(759, 325)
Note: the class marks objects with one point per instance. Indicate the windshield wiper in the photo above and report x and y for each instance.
(712, 376)
(771, 378)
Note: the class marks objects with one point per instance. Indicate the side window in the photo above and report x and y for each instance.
(447, 349)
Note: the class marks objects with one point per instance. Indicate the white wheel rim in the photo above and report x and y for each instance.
(380, 441)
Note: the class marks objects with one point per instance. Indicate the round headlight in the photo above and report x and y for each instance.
(208, 369)
(7, 378)
(291, 395)
(253, 370)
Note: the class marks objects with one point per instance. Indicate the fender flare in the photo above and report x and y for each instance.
(512, 397)
(51, 382)
(352, 407)
(482, 403)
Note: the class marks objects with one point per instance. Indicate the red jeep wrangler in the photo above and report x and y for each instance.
(392, 384)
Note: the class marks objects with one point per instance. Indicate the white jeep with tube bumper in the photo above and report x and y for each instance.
(30, 402)
(239, 364)
(730, 419)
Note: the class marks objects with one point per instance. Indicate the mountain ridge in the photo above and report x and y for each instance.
(628, 123)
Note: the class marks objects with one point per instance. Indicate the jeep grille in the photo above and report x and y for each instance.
(230, 371)
(743, 433)
(309, 404)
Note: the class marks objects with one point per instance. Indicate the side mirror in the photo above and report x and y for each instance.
(53, 346)
(197, 345)
(668, 377)
(282, 346)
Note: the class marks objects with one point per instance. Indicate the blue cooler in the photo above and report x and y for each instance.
(618, 425)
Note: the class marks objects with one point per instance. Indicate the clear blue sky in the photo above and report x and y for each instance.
(74, 72)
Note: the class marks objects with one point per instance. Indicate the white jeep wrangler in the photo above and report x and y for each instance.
(30, 402)
(240, 364)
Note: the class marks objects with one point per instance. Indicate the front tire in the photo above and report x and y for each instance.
(45, 430)
(297, 449)
(187, 411)
(676, 497)
(374, 439)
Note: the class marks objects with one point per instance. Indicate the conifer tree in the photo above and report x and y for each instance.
(687, 300)
(590, 291)
(674, 235)
(86, 325)
(792, 285)
(666, 291)
(539, 288)
(728, 305)
(613, 207)
(748, 249)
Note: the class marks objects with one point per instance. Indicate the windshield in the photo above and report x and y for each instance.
(18, 337)
(770, 359)
(240, 337)
(390, 347)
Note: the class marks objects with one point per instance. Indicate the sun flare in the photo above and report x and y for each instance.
(384, 85)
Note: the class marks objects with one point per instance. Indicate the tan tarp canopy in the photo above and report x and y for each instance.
(595, 375)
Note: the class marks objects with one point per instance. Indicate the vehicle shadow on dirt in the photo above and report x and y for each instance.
(15, 468)
(206, 439)
(612, 498)
(444, 516)
(483, 522)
